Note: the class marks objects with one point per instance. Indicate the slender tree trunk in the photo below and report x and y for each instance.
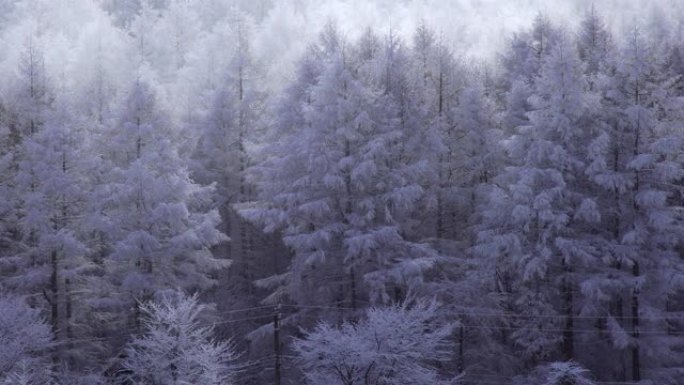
(54, 290)
(636, 364)
(69, 316)
(440, 213)
(347, 211)
(352, 277)
(461, 350)
(617, 303)
(69, 309)
(618, 313)
(569, 330)
(245, 242)
(441, 183)
(54, 305)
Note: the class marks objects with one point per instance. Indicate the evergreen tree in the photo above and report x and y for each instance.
(342, 188)
(159, 224)
(25, 340)
(535, 225)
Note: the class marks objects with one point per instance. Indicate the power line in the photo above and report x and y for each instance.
(508, 315)
(232, 311)
(542, 330)
(462, 313)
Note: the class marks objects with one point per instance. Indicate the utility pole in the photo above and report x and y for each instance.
(276, 344)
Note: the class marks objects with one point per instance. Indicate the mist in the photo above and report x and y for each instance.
(474, 30)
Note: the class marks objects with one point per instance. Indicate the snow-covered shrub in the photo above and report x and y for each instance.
(177, 348)
(393, 345)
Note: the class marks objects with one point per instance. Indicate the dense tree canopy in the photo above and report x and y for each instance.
(390, 211)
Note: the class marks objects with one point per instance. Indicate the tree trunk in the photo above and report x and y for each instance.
(461, 350)
(636, 364)
(569, 330)
(352, 277)
(616, 304)
(54, 290)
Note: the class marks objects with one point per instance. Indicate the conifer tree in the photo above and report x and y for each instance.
(159, 225)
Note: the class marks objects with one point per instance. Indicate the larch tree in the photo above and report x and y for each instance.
(222, 156)
(159, 224)
(653, 221)
(435, 82)
(25, 342)
(230, 130)
(594, 45)
(535, 222)
(24, 112)
(50, 170)
(46, 192)
(310, 180)
(526, 52)
(340, 188)
(607, 158)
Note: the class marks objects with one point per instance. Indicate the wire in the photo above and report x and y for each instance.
(319, 307)
(542, 330)
(238, 320)
(233, 311)
(508, 315)
(211, 324)
(466, 326)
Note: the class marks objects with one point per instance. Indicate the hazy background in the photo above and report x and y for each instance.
(70, 31)
(473, 28)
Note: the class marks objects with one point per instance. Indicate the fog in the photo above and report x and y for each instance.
(474, 29)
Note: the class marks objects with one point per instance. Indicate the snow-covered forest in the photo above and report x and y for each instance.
(198, 192)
